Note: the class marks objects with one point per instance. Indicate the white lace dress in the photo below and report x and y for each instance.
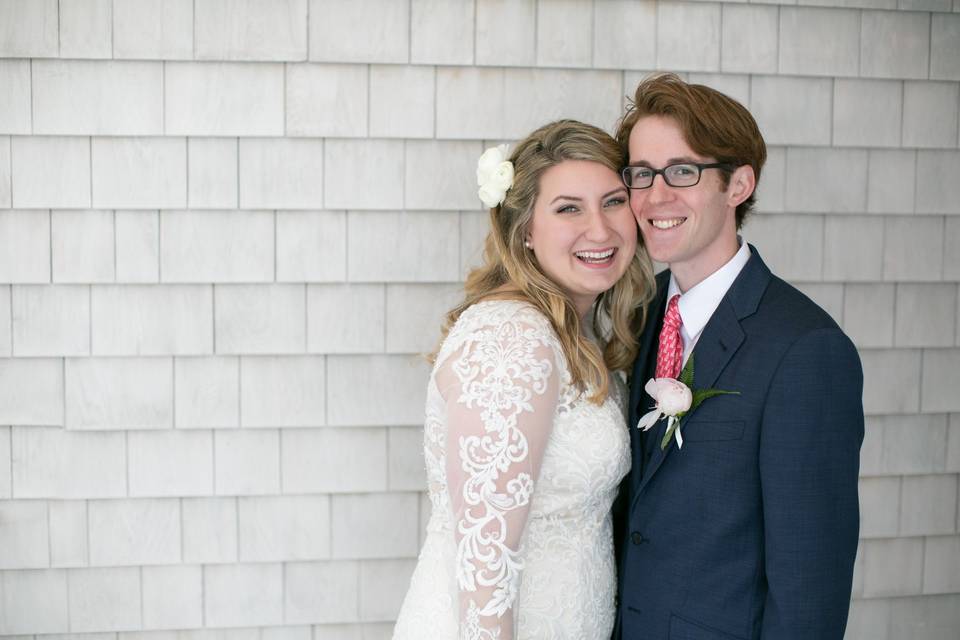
(522, 471)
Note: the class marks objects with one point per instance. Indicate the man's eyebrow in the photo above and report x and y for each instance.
(678, 160)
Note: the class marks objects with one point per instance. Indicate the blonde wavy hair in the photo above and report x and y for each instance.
(510, 271)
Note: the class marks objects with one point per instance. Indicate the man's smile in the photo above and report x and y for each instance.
(667, 223)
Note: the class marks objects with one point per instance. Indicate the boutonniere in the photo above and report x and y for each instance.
(675, 399)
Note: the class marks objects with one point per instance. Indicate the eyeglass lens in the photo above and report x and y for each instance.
(676, 175)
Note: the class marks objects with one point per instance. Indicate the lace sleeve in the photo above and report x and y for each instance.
(501, 390)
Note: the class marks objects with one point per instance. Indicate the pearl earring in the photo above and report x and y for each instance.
(527, 244)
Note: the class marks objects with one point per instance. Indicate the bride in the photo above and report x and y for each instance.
(525, 440)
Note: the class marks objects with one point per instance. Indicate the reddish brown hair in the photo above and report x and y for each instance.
(713, 124)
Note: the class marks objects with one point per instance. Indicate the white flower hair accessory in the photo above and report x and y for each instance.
(494, 175)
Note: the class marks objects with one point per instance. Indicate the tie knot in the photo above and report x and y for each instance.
(672, 317)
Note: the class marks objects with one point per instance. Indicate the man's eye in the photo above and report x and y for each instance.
(683, 170)
(642, 174)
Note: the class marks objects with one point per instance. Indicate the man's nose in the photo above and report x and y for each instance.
(659, 191)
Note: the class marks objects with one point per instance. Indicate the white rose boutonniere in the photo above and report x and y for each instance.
(494, 175)
(675, 399)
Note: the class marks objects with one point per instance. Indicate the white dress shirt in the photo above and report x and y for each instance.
(698, 304)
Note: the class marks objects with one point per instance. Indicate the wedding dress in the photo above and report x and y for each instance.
(522, 470)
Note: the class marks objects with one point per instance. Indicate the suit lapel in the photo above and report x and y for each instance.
(640, 370)
(647, 342)
(718, 343)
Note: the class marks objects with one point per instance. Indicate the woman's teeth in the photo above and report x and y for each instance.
(667, 224)
(595, 256)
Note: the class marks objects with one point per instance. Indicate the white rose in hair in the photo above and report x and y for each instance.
(489, 162)
(494, 175)
(502, 178)
(490, 195)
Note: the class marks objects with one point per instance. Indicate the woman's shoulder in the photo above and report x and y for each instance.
(496, 319)
(504, 311)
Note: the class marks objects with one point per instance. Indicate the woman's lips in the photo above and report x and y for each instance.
(597, 257)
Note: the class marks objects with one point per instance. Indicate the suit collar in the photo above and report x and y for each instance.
(743, 293)
(747, 290)
(698, 303)
(723, 334)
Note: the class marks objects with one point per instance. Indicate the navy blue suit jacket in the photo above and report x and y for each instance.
(750, 530)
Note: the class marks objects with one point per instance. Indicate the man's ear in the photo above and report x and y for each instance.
(742, 183)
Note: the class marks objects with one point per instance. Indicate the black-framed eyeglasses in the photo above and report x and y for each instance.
(684, 174)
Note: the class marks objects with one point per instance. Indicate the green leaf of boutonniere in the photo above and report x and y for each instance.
(686, 374)
(698, 396)
(702, 394)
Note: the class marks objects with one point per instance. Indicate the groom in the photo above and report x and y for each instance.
(749, 529)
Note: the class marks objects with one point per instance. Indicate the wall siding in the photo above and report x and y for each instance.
(229, 228)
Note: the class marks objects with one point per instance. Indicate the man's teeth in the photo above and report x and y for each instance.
(595, 255)
(667, 224)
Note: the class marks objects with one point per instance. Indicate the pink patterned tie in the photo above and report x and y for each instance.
(670, 353)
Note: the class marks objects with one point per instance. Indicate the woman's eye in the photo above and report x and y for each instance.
(567, 209)
(615, 202)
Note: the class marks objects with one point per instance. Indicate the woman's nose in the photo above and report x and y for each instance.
(599, 226)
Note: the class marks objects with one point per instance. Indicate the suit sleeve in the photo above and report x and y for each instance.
(809, 463)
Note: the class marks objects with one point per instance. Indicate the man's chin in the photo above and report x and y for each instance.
(662, 255)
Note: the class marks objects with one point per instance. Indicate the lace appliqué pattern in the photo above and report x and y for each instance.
(499, 374)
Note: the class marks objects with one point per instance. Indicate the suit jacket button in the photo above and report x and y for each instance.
(637, 538)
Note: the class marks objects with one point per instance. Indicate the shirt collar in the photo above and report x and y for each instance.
(698, 304)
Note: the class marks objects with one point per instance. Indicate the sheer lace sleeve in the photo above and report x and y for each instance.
(501, 389)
